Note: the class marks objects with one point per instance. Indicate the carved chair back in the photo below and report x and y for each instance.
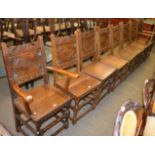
(87, 44)
(116, 36)
(134, 29)
(64, 51)
(140, 112)
(25, 62)
(103, 40)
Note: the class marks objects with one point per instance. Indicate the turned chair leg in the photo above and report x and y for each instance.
(75, 112)
(66, 123)
(17, 121)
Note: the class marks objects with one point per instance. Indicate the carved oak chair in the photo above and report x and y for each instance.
(123, 47)
(149, 96)
(43, 107)
(106, 57)
(119, 38)
(130, 120)
(87, 49)
(85, 89)
(138, 42)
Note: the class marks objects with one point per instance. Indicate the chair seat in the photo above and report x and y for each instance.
(150, 126)
(135, 47)
(8, 34)
(40, 29)
(21, 34)
(81, 86)
(130, 51)
(114, 61)
(126, 54)
(98, 70)
(140, 43)
(46, 99)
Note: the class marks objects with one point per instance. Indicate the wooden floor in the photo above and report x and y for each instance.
(101, 120)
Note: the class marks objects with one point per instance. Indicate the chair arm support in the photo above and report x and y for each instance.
(26, 97)
(150, 32)
(69, 74)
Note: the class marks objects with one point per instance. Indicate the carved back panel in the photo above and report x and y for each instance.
(126, 32)
(64, 51)
(134, 29)
(116, 35)
(104, 40)
(25, 62)
(140, 25)
(87, 44)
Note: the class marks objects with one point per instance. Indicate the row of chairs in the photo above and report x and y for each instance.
(27, 30)
(135, 119)
(72, 96)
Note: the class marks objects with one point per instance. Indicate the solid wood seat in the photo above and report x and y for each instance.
(80, 85)
(98, 70)
(114, 61)
(126, 54)
(46, 99)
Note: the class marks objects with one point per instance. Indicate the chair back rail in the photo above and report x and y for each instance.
(25, 62)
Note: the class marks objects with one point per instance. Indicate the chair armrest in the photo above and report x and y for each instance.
(26, 97)
(68, 74)
(61, 71)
